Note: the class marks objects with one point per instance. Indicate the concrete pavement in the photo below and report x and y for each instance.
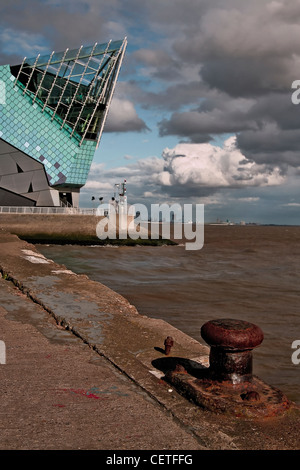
(57, 393)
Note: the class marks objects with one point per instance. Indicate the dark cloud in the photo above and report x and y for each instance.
(171, 98)
(200, 126)
(248, 57)
(244, 76)
(122, 117)
(160, 64)
(267, 126)
(62, 24)
(270, 145)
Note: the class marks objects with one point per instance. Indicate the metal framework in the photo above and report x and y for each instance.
(44, 74)
(88, 95)
(54, 81)
(66, 84)
(74, 86)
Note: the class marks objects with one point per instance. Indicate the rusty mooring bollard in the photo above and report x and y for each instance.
(231, 343)
(227, 385)
(169, 342)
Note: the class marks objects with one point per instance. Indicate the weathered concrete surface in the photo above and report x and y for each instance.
(56, 393)
(48, 395)
(50, 224)
(76, 229)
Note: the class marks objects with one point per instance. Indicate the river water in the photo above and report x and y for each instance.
(250, 273)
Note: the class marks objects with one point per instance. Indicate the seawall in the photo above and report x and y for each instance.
(64, 228)
(133, 343)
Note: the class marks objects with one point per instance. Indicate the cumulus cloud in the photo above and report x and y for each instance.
(205, 165)
(188, 170)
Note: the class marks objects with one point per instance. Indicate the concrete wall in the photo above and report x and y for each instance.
(49, 224)
(54, 227)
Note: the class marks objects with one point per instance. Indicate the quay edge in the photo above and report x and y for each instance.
(102, 319)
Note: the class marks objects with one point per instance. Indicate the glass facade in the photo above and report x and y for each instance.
(53, 111)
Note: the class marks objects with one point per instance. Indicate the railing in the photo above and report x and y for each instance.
(47, 210)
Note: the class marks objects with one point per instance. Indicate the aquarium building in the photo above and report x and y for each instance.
(52, 113)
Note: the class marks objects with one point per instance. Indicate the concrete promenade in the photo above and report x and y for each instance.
(84, 370)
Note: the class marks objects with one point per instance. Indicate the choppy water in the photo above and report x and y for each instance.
(250, 273)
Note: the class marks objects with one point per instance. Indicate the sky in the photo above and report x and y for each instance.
(202, 112)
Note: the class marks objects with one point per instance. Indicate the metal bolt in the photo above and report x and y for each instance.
(168, 344)
(231, 344)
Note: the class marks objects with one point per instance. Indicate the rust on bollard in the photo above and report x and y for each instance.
(169, 342)
(250, 396)
(228, 384)
(179, 368)
(231, 343)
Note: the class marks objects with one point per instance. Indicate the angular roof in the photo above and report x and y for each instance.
(74, 86)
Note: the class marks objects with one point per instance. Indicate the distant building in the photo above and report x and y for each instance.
(52, 113)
